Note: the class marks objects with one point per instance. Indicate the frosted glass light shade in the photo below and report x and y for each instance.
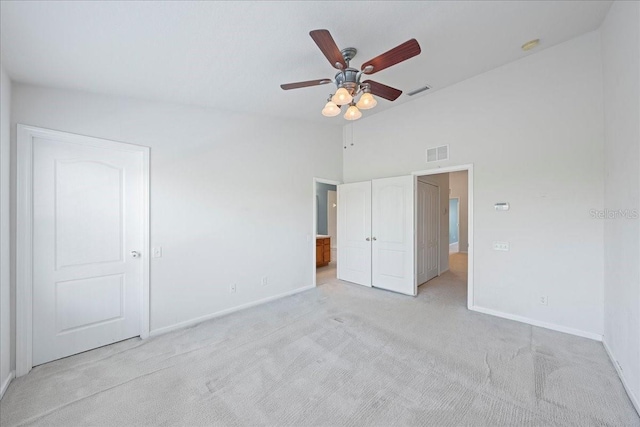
(330, 109)
(366, 101)
(352, 113)
(342, 97)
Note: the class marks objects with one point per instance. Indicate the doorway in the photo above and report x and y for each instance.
(325, 231)
(454, 223)
(82, 245)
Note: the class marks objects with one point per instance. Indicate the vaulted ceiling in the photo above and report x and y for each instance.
(234, 55)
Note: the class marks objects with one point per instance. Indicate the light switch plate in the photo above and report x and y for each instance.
(500, 246)
(157, 252)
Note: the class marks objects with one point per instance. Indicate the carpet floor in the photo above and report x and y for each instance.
(339, 354)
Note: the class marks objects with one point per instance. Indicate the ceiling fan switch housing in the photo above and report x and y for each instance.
(348, 79)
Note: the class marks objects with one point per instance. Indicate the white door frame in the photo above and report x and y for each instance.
(24, 238)
(315, 223)
(469, 169)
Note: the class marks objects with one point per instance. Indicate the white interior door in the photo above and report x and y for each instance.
(88, 217)
(427, 246)
(354, 233)
(393, 234)
(332, 222)
(421, 233)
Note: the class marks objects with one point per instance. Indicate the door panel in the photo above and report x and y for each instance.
(392, 234)
(354, 228)
(87, 217)
(76, 234)
(421, 232)
(427, 231)
(88, 302)
(433, 232)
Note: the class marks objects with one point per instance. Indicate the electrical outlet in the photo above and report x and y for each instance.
(232, 288)
(265, 280)
(544, 300)
(157, 252)
(500, 246)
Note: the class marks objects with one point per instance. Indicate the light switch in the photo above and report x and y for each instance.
(157, 252)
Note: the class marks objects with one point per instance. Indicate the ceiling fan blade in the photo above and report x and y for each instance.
(383, 91)
(400, 53)
(308, 83)
(329, 48)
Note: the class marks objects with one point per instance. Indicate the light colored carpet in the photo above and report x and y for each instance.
(338, 354)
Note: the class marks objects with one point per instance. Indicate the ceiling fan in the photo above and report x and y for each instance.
(347, 80)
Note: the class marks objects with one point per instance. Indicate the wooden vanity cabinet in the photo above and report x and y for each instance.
(323, 251)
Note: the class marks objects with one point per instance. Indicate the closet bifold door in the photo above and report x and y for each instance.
(354, 233)
(392, 234)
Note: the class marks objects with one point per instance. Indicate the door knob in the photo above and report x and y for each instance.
(374, 239)
(135, 254)
(368, 239)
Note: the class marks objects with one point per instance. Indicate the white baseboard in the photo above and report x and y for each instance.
(201, 319)
(6, 382)
(632, 397)
(538, 323)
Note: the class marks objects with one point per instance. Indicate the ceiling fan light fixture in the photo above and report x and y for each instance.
(352, 113)
(330, 109)
(366, 102)
(342, 97)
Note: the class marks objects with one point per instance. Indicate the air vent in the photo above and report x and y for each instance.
(417, 91)
(437, 154)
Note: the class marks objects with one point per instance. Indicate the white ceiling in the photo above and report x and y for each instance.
(234, 55)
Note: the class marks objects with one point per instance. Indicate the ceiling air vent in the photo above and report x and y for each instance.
(417, 91)
(437, 154)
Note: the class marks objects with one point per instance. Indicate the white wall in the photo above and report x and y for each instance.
(5, 260)
(213, 208)
(621, 70)
(459, 184)
(534, 131)
(442, 181)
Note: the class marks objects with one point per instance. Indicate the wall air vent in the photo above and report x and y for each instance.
(437, 154)
(419, 90)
